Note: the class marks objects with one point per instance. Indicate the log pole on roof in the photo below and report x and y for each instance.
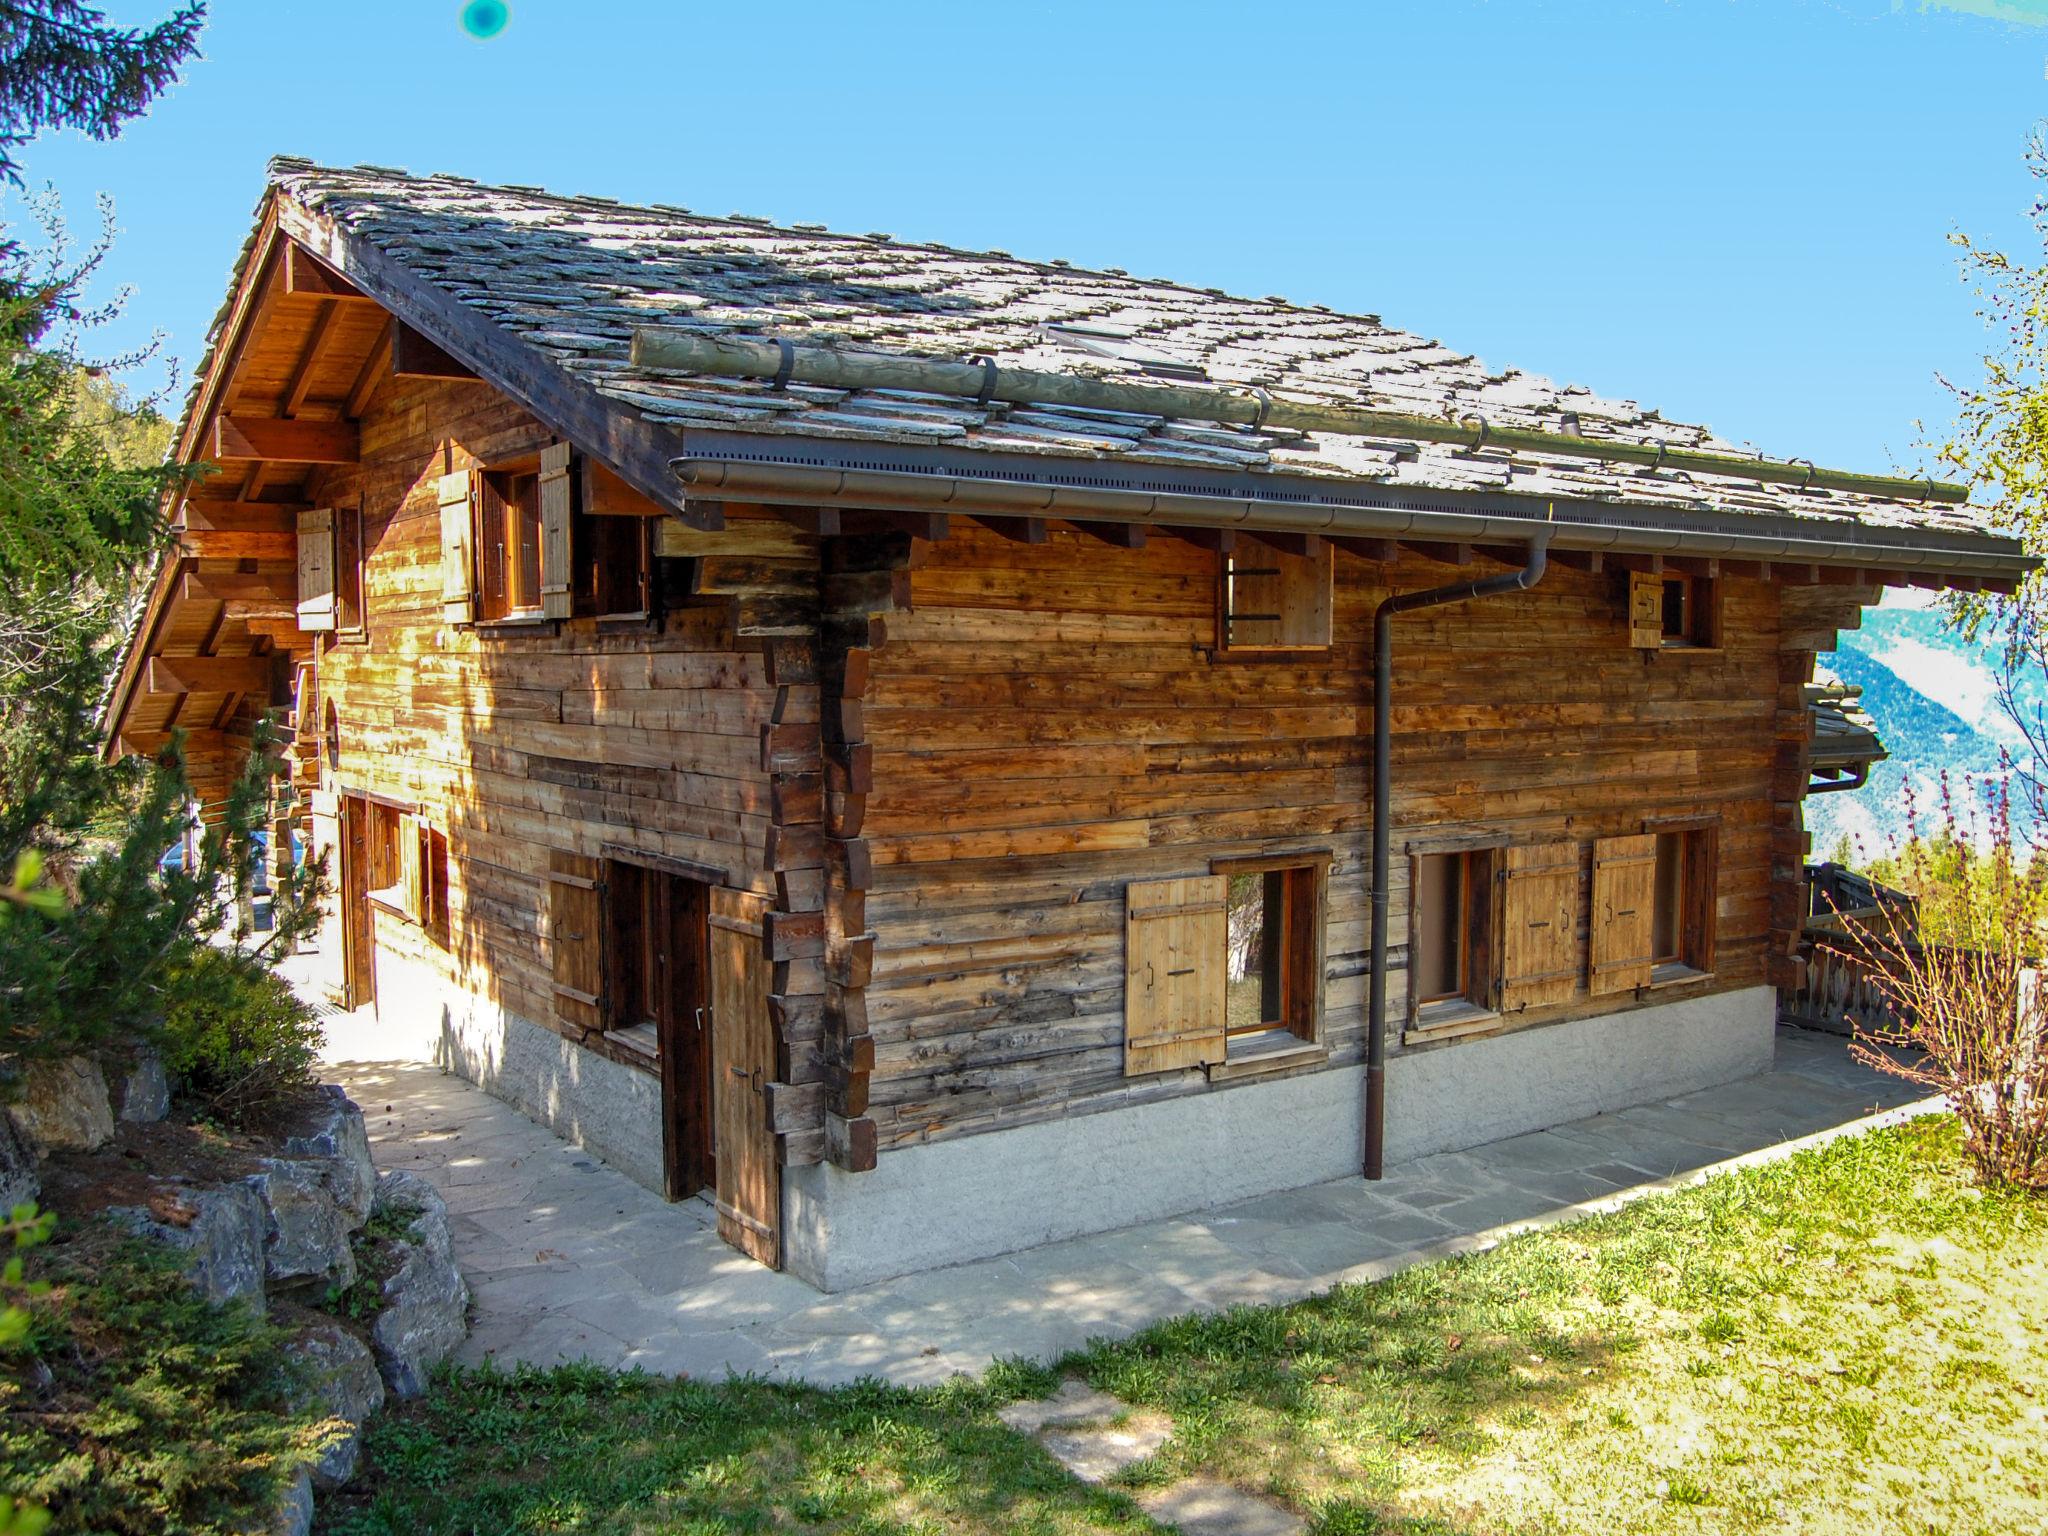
(679, 351)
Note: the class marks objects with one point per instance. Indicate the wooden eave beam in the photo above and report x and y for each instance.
(1117, 535)
(1588, 560)
(375, 367)
(274, 440)
(309, 359)
(1222, 541)
(209, 516)
(307, 275)
(243, 586)
(210, 674)
(1018, 530)
(1443, 554)
(639, 450)
(821, 522)
(1300, 545)
(413, 356)
(1378, 551)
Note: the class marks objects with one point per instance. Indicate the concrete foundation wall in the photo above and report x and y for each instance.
(610, 1110)
(975, 1196)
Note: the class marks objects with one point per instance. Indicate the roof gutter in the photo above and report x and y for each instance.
(750, 479)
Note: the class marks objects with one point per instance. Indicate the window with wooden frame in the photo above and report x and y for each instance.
(384, 855)
(1452, 943)
(349, 557)
(1654, 899)
(1273, 962)
(1274, 601)
(614, 564)
(635, 956)
(1673, 610)
(514, 562)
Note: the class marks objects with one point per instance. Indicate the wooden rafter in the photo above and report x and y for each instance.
(269, 439)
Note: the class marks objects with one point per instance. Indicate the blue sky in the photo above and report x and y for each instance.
(1734, 210)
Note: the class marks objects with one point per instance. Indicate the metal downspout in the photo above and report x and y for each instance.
(1382, 774)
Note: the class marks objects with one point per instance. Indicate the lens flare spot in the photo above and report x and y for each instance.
(485, 18)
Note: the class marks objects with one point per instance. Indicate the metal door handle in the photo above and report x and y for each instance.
(700, 1018)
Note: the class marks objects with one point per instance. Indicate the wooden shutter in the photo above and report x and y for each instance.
(1702, 905)
(316, 568)
(1645, 610)
(743, 1063)
(1176, 942)
(1624, 911)
(458, 547)
(1276, 602)
(557, 593)
(411, 869)
(1539, 926)
(576, 940)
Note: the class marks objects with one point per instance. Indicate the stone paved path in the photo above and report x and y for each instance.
(569, 1259)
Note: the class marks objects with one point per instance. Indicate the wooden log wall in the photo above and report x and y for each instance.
(1049, 723)
(522, 744)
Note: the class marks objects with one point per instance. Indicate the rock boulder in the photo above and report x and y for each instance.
(338, 1375)
(19, 1180)
(426, 1300)
(334, 1131)
(220, 1231)
(142, 1095)
(64, 1106)
(305, 1228)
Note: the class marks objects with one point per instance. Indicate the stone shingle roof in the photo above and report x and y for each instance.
(573, 277)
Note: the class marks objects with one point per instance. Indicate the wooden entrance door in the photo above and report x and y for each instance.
(358, 961)
(742, 1065)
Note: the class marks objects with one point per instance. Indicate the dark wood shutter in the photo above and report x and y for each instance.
(1176, 947)
(1539, 926)
(576, 941)
(457, 494)
(316, 568)
(557, 506)
(743, 1063)
(1624, 909)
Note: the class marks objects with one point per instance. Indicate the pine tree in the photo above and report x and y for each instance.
(62, 66)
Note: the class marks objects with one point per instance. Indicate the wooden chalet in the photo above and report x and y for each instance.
(885, 736)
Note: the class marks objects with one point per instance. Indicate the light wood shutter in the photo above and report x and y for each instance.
(1539, 926)
(557, 594)
(576, 941)
(1624, 912)
(1645, 610)
(316, 568)
(458, 547)
(1276, 602)
(1176, 941)
(411, 870)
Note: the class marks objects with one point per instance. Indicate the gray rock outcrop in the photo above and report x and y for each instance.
(220, 1230)
(64, 1106)
(338, 1376)
(426, 1300)
(335, 1132)
(305, 1228)
(142, 1096)
(19, 1180)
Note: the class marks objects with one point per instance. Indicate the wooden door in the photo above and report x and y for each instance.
(742, 1065)
(675, 914)
(358, 964)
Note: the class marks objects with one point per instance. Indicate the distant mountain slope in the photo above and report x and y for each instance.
(1934, 698)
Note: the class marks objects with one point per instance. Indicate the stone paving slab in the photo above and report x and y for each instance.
(570, 1259)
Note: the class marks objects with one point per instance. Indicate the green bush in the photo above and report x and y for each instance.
(241, 1044)
(132, 1405)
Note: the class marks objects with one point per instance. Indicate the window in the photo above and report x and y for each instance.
(1224, 971)
(1684, 896)
(614, 565)
(1274, 601)
(348, 569)
(508, 545)
(633, 923)
(1450, 935)
(1272, 957)
(383, 868)
(433, 886)
(1673, 610)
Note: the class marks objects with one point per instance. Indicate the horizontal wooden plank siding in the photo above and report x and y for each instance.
(1049, 725)
(529, 743)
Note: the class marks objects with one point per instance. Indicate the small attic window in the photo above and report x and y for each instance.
(1123, 347)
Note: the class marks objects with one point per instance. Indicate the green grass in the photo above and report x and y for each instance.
(1855, 1340)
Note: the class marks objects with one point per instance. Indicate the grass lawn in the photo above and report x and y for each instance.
(1852, 1341)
